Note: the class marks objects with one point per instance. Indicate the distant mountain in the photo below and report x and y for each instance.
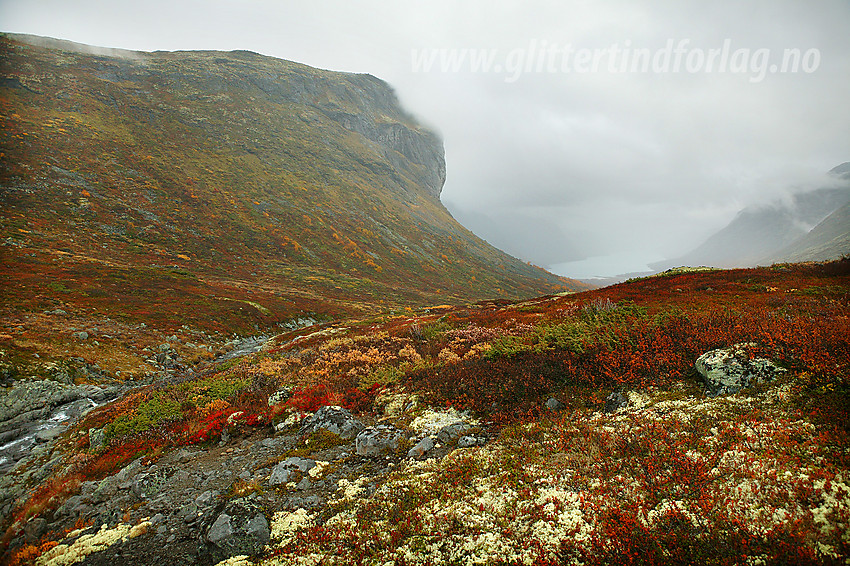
(224, 191)
(828, 240)
(759, 234)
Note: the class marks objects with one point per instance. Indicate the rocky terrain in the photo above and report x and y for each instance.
(204, 505)
(647, 419)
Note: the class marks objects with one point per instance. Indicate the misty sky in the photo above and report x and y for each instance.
(551, 157)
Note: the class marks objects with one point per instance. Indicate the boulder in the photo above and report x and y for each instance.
(377, 440)
(284, 472)
(728, 370)
(333, 419)
(241, 528)
(554, 405)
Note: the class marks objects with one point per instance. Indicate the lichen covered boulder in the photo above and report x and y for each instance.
(334, 419)
(241, 528)
(377, 440)
(728, 370)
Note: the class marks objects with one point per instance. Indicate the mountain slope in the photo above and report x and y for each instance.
(758, 233)
(828, 240)
(222, 191)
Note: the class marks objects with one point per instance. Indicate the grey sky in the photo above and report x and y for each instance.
(554, 164)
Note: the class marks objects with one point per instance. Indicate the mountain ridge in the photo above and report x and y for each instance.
(224, 191)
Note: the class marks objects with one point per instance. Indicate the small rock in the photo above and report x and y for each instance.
(453, 431)
(377, 440)
(554, 405)
(81, 335)
(422, 447)
(614, 401)
(206, 498)
(189, 513)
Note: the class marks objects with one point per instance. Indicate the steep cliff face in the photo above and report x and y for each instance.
(224, 190)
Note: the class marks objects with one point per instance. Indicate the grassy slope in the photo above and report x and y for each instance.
(761, 475)
(222, 191)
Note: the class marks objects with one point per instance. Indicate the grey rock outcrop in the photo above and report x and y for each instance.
(614, 401)
(377, 440)
(286, 471)
(37, 411)
(241, 528)
(333, 419)
(728, 370)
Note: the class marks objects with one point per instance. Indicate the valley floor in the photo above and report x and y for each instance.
(574, 429)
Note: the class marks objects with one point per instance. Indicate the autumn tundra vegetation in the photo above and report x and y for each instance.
(673, 476)
(422, 398)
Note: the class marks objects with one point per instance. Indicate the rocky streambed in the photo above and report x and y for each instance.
(35, 412)
(201, 505)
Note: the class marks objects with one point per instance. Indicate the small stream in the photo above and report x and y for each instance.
(244, 347)
(20, 440)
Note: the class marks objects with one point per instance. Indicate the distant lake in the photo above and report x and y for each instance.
(607, 265)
